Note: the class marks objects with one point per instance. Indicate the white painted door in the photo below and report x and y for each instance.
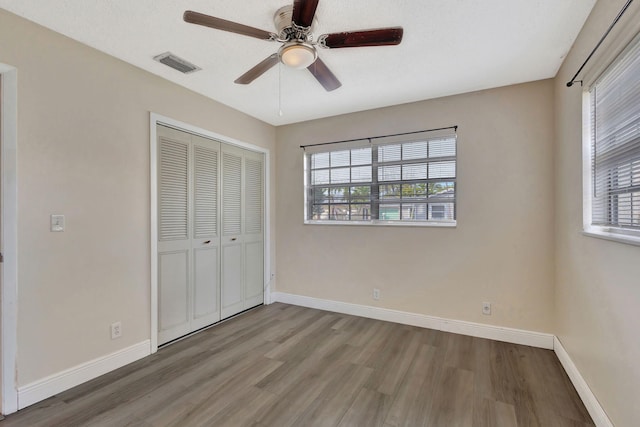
(188, 240)
(205, 241)
(232, 297)
(242, 243)
(253, 235)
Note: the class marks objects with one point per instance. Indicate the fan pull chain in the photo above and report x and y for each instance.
(280, 113)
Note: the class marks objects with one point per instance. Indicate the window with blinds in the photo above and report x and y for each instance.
(615, 144)
(408, 180)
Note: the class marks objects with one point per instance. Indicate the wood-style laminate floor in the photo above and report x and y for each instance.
(283, 365)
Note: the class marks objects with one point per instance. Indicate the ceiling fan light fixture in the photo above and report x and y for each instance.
(293, 24)
(297, 54)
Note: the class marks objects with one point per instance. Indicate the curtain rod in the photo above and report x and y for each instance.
(455, 129)
(615, 21)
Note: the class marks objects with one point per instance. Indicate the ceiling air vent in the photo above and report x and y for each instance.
(170, 60)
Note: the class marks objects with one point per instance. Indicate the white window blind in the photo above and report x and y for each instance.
(615, 143)
(399, 179)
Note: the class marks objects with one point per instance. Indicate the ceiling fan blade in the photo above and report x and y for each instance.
(258, 70)
(378, 37)
(304, 11)
(323, 74)
(224, 25)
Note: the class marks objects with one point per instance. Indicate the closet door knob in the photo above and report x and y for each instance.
(207, 242)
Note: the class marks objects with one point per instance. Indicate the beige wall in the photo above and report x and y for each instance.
(83, 151)
(502, 249)
(597, 281)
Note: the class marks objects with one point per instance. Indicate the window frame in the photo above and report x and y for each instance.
(607, 232)
(374, 200)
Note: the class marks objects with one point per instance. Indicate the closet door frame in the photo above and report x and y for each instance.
(155, 120)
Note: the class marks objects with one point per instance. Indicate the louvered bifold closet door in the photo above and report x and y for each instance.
(174, 243)
(253, 229)
(205, 239)
(242, 241)
(188, 233)
(232, 283)
(210, 232)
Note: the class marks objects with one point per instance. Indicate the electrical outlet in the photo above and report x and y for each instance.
(116, 330)
(376, 294)
(486, 308)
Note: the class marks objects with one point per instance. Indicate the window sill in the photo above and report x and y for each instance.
(629, 239)
(450, 224)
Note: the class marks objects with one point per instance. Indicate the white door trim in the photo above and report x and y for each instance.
(157, 119)
(9, 234)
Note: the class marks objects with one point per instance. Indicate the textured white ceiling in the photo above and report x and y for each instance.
(449, 47)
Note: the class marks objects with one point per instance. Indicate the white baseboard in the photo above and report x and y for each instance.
(498, 333)
(57, 383)
(590, 401)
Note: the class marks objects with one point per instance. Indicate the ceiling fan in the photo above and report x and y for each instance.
(299, 49)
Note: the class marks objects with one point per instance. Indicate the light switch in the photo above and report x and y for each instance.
(57, 222)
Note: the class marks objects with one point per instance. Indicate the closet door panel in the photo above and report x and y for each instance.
(205, 239)
(254, 194)
(205, 155)
(232, 298)
(173, 295)
(231, 191)
(232, 295)
(254, 277)
(205, 290)
(174, 308)
(173, 200)
(253, 229)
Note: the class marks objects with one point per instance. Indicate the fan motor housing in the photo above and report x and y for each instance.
(283, 19)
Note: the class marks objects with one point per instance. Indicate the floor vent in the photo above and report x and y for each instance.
(170, 60)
